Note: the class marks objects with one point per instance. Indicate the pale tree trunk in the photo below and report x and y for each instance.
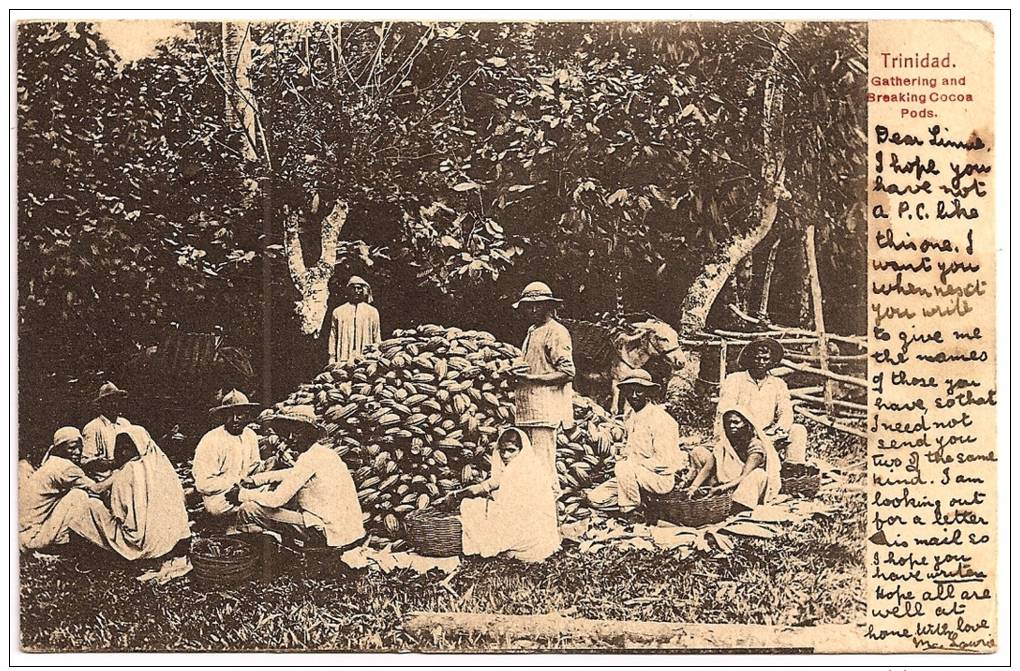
(705, 289)
(313, 282)
(239, 103)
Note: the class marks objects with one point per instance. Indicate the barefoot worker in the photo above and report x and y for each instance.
(355, 324)
(147, 517)
(313, 501)
(227, 454)
(651, 457)
(514, 511)
(742, 461)
(53, 493)
(544, 394)
(765, 397)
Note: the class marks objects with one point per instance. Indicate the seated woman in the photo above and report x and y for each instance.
(146, 518)
(743, 460)
(514, 511)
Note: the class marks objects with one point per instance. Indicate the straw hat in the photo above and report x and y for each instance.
(107, 390)
(638, 377)
(299, 414)
(775, 351)
(537, 292)
(234, 400)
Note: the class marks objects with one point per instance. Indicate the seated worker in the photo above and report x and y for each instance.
(765, 397)
(51, 495)
(315, 500)
(651, 458)
(226, 454)
(514, 511)
(146, 518)
(743, 460)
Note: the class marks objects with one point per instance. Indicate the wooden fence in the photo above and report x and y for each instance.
(826, 372)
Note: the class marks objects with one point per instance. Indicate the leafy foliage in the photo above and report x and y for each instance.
(608, 159)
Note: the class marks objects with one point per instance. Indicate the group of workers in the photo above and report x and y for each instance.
(112, 485)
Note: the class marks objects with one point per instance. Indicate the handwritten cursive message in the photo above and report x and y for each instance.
(932, 448)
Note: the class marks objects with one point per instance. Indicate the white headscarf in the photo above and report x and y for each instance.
(729, 465)
(151, 508)
(521, 516)
(358, 280)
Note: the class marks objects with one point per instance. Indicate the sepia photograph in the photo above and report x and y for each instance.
(442, 336)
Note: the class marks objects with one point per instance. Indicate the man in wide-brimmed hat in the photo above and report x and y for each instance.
(100, 434)
(355, 324)
(315, 500)
(226, 454)
(651, 457)
(53, 494)
(766, 397)
(544, 394)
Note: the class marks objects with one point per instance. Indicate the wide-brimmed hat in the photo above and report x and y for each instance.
(638, 377)
(774, 348)
(537, 292)
(107, 390)
(299, 414)
(65, 435)
(234, 400)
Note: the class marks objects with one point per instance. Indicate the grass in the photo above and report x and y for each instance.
(814, 576)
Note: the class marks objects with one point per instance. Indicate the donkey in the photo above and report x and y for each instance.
(605, 355)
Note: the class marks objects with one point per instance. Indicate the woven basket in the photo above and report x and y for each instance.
(798, 480)
(223, 571)
(677, 508)
(434, 533)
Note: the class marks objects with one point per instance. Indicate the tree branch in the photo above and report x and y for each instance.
(331, 227)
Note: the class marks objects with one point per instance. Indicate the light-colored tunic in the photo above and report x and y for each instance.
(520, 516)
(323, 492)
(48, 497)
(769, 406)
(649, 461)
(354, 327)
(99, 437)
(221, 461)
(147, 516)
(547, 349)
(767, 403)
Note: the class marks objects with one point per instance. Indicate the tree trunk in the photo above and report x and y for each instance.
(717, 271)
(313, 282)
(239, 109)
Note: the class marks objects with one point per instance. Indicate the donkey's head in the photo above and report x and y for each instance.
(659, 339)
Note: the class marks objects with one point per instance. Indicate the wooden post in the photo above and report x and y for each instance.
(763, 307)
(816, 302)
(722, 362)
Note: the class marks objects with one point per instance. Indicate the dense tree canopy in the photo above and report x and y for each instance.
(609, 159)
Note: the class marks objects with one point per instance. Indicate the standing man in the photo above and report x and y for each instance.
(355, 324)
(314, 500)
(765, 397)
(100, 434)
(652, 456)
(227, 454)
(544, 394)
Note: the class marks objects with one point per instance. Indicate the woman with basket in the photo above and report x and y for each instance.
(514, 511)
(743, 461)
